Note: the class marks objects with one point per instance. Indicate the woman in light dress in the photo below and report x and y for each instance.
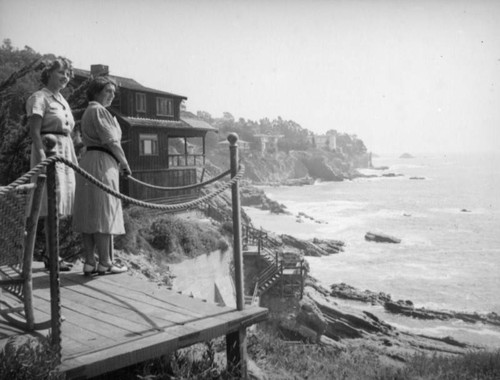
(49, 113)
(98, 215)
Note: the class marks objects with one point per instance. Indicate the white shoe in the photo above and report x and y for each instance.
(112, 269)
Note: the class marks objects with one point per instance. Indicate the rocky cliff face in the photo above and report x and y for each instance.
(297, 167)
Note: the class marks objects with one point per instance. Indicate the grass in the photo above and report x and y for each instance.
(282, 360)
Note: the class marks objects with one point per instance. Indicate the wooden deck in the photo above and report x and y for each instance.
(114, 321)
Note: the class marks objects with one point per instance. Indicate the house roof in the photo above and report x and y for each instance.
(188, 124)
(128, 83)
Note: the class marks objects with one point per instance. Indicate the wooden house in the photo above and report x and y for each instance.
(164, 145)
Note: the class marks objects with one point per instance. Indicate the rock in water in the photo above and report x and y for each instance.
(381, 238)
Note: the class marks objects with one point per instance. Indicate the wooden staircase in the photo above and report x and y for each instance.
(257, 242)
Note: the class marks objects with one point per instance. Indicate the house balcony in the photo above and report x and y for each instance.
(186, 160)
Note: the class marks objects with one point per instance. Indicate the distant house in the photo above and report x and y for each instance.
(164, 145)
(328, 141)
(268, 143)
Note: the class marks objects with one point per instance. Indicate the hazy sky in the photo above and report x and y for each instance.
(404, 75)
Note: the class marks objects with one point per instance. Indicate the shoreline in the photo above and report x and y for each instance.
(433, 321)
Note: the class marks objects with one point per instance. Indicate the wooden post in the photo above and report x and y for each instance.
(53, 244)
(301, 278)
(282, 280)
(236, 345)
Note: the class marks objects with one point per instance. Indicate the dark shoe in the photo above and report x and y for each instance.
(63, 265)
(112, 269)
(89, 270)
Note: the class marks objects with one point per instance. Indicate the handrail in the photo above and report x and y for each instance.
(187, 187)
(49, 164)
(255, 292)
(170, 207)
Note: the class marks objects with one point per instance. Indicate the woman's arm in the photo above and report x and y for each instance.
(117, 150)
(35, 127)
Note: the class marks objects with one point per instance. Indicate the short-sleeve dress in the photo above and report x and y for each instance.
(57, 120)
(97, 211)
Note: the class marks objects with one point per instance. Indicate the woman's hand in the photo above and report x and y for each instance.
(35, 127)
(125, 170)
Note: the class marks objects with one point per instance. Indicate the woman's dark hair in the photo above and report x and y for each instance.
(97, 85)
(56, 64)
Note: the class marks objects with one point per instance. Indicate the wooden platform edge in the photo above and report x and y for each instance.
(153, 346)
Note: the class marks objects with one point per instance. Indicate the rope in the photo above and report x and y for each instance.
(171, 207)
(193, 186)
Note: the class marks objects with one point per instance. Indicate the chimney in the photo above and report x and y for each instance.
(96, 70)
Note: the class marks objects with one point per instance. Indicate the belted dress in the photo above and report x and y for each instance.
(57, 120)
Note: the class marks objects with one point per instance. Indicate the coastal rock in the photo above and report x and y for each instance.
(406, 155)
(301, 216)
(345, 291)
(344, 326)
(331, 246)
(381, 238)
(252, 196)
(406, 307)
(313, 248)
(310, 316)
(346, 323)
(391, 175)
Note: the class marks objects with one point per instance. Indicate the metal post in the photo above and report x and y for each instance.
(236, 347)
(53, 244)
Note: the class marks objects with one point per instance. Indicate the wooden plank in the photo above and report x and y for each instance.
(121, 355)
(140, 349)
(137, 292)
(115, 321)
(166, 308)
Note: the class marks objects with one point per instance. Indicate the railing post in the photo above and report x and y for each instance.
(282, 279)
(301, 278)
(236, 345)
(238, 259)
(53, 245)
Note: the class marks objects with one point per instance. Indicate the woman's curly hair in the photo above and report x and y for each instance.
(56, 64)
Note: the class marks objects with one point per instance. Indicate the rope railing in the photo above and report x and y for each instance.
(236, 356)
(169, 208)
(187, 187)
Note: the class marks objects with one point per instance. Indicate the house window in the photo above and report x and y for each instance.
(148, 145)
(140, 102)
(164, 107)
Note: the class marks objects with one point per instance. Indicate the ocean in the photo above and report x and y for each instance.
(448, 222)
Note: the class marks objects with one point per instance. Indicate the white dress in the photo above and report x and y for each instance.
(57, 120)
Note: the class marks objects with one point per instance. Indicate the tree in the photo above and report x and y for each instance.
(18, 80)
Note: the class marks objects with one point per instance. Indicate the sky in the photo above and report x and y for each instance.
(403, 75)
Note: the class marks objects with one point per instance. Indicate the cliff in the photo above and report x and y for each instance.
(295, 167)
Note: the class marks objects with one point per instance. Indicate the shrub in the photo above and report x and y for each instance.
(137, 222)
(32, 359)
(173, 234)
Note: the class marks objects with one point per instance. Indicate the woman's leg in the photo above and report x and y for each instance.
(63, 266)
(89, 248)
(103, 243)
(89, 266)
